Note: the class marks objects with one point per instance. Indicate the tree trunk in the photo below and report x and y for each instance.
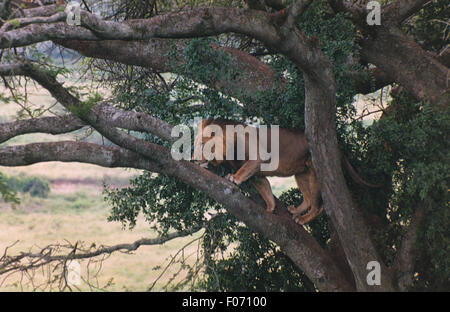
(338, 203)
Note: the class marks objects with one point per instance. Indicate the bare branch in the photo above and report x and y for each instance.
(120, 118)
(49, 254)
(52, 125)
(46, 10)
(116, 117)
(43, 32)
(397, 11)
(191, 23)
(54, 259)
(21, 22)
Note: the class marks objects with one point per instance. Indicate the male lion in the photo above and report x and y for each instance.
(293, 160)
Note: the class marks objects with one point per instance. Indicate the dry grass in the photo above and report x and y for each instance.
(73, 171)
(35, 224)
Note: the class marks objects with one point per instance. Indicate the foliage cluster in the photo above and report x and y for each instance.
(35, 186)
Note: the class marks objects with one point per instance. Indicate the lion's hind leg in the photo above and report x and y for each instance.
(311, 215)
(310, 188)
(302, 180)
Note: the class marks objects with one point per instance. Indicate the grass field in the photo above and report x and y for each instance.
(78, 213)
(75, 211)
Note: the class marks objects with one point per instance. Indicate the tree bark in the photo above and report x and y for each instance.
(253, 75)
(409, 65)
(400, 58)
(338, 203)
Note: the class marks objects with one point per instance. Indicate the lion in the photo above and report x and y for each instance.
(293, 160)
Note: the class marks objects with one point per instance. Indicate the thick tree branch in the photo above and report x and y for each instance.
(409, 65)
(198, 22)
(296, 10)
(119, 118)
(43, 32)
(393, 13)
(46, 10)
(71, 151)
(253, 75)
(51, 125)
(404, 262)
(404, 62)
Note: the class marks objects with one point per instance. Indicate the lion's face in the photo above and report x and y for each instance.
(200, 140)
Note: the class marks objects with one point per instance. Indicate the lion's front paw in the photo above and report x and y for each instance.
(270, 209)
(230, 177)
(300, 219)
(292, 209)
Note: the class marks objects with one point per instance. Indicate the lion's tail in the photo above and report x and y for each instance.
(355, 175)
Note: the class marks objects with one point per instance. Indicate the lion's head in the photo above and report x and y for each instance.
(209, 143)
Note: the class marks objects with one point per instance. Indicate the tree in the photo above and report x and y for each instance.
(292, 63)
